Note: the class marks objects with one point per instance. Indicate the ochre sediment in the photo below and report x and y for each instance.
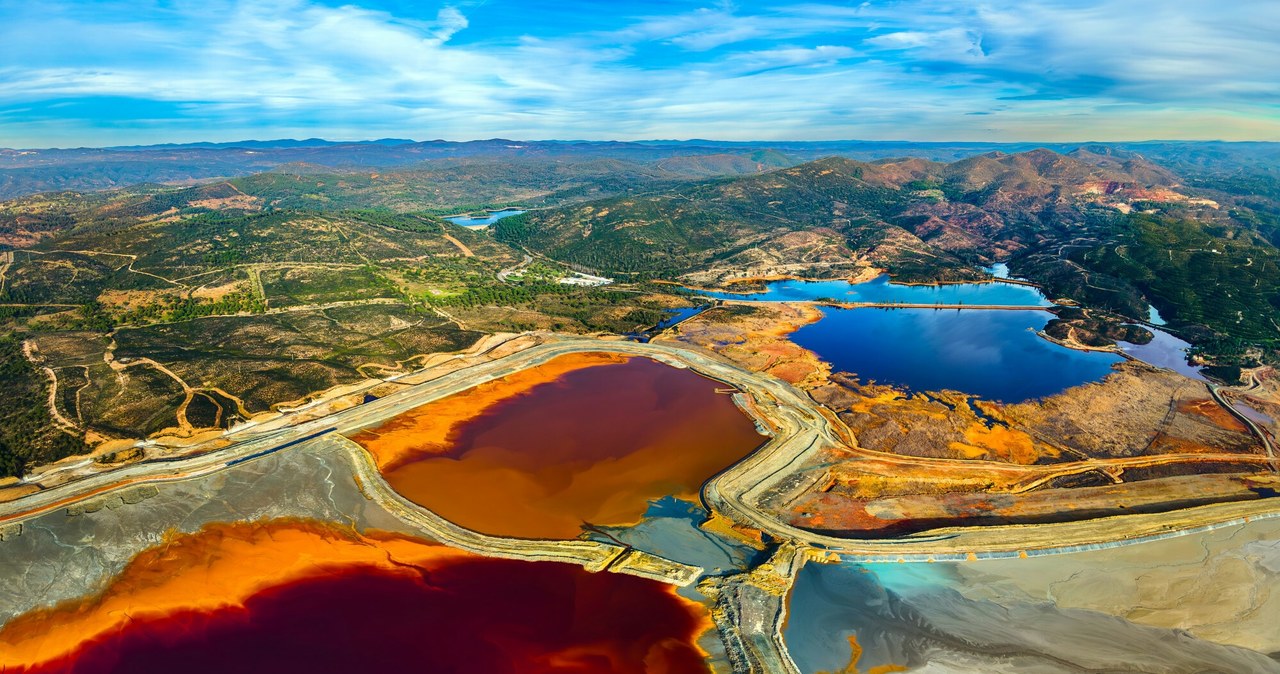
(1106, 443)
(607, 436)
(226, 577)
(220, 567)
(427, 429)
(757, 338)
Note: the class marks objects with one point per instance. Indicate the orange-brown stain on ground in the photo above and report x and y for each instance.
(580, 439)
(289, 595)
(855, 650)
(1214, 412)
(1000, 443)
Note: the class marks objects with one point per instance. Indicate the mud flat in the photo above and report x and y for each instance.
(757, 338)
(587, 438)
(1197, 603)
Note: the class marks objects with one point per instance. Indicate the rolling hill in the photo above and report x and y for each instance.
(158, 309)
(1051, 216)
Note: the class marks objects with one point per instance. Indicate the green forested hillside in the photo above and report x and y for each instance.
(1222, 277)
(675, 231)
(28, 435)
(1062, 220)
(167, 308)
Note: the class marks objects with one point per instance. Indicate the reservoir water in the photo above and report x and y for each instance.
(679, 314)
(881, 290)
(998, 270)
(994, 354)
(591, 438)
(370, 604)
(480, 223)
(1153, 316)
(1164, 350)
(991, 353)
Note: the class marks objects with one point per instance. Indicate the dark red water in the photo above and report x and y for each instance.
(484, 616)
(595, 445)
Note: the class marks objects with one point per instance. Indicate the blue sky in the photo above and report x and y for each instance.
(106, 72)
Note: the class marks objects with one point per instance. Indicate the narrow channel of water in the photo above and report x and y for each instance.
(1153, 316)
(679, 314)
(998, 270)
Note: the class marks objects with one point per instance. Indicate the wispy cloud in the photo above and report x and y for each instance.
(71, 72)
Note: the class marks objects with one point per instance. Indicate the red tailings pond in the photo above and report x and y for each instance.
(585, 438)
(301, 596)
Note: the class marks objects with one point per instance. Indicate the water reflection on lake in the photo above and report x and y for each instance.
(991, 353)
(1164, 350)
(474, 222)
(882, 290)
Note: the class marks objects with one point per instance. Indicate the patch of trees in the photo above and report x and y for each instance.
(27, 433)
(405, 223)
(1225, 279)
(188, 308)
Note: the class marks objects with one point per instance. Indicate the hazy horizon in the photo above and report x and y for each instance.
(101, 74)
(653, 141)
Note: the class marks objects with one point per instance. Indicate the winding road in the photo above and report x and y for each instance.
(799, 427)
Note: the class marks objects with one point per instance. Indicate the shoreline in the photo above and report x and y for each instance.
(491, 211)
(801, 426)
(852, 280)
(750, 607)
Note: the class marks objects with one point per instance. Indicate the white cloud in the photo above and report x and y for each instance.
(882, 69)
(448, 22)
(793, 56)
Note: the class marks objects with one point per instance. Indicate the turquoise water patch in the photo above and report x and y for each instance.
(881, 290)
(494, 216)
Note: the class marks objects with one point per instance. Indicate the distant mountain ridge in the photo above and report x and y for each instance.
(29, 171)
(263, 144)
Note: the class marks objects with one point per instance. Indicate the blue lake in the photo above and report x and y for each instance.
(998, 270)
(990, 353)
(881, 290)
(1164, 350)
(679, 314)
(494, 216)
(1153, 316)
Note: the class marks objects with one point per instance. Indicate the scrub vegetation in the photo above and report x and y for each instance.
(173, 308)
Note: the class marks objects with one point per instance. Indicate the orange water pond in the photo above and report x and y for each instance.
(586, 438)
(301, 596)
